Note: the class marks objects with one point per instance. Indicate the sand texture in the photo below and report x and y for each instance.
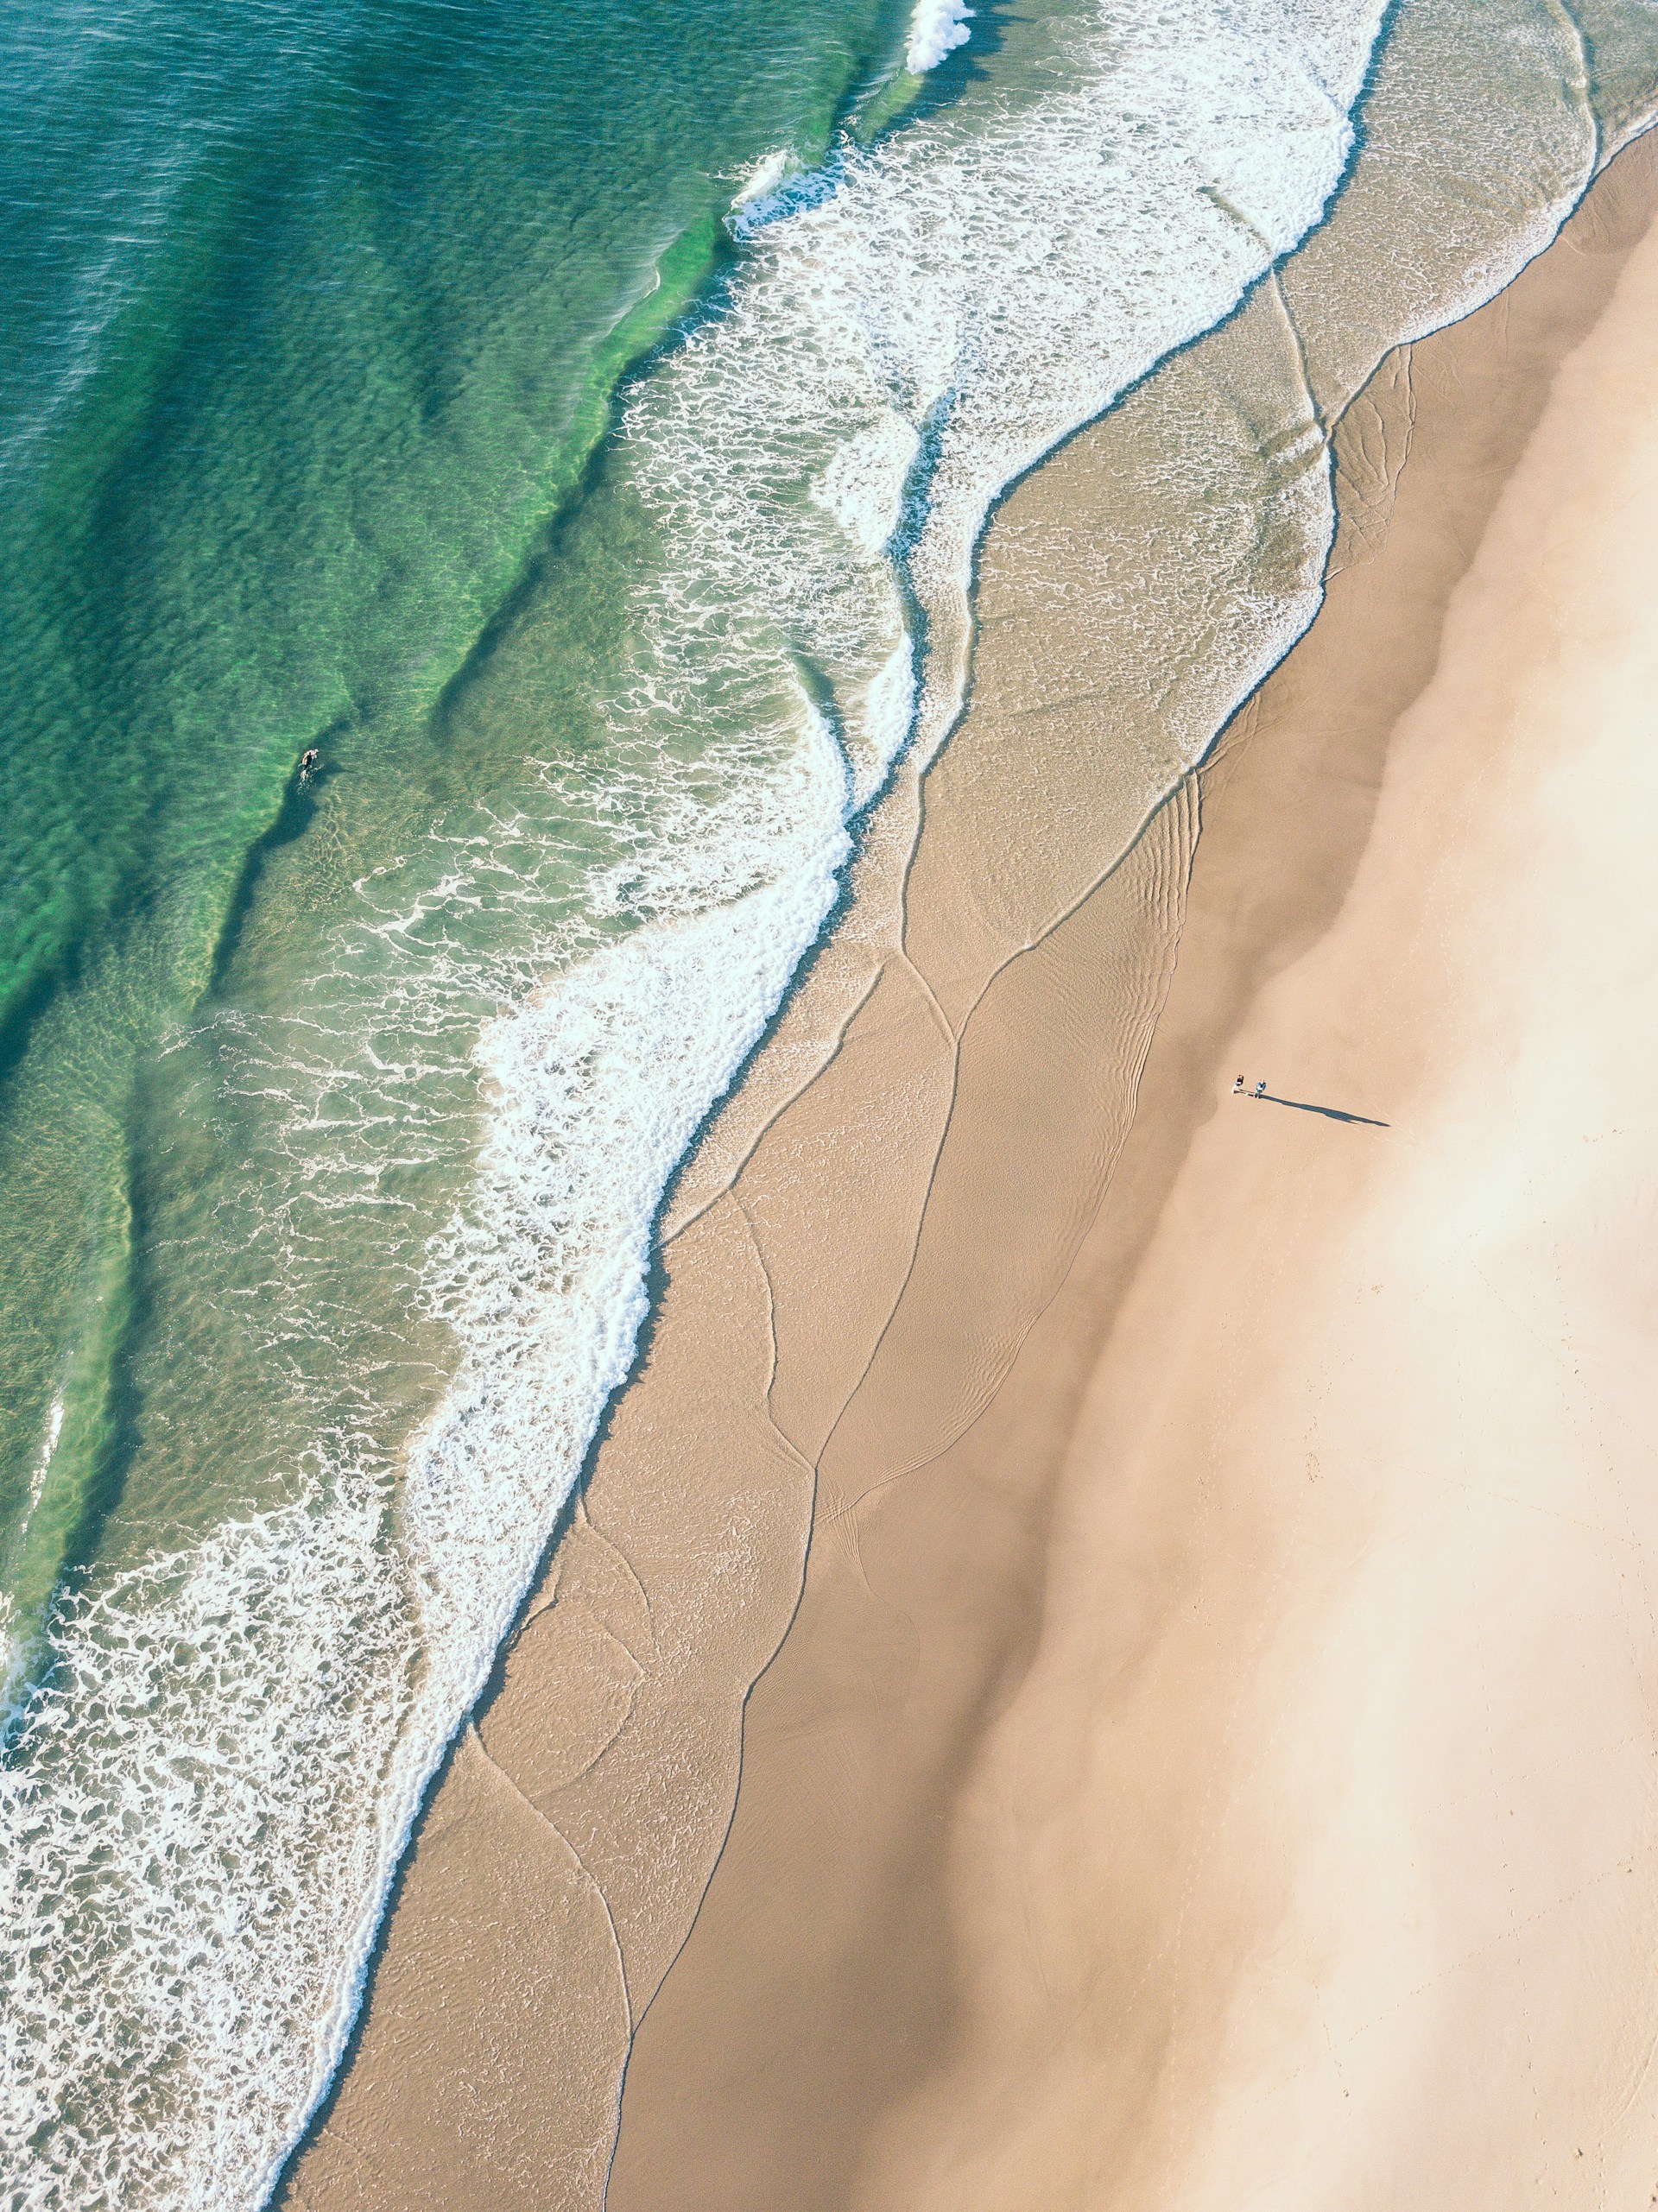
(1209, 1760)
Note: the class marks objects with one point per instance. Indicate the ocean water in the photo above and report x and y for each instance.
(578, 427)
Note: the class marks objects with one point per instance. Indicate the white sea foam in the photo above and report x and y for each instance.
(201, 1806)
(543, 1278)
(761, 181)
(43, 1461)
(936, 28)
(226, 1761)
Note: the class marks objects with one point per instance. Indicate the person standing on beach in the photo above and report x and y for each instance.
(1261, 1087)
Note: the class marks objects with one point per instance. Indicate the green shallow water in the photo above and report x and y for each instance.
(333, 1121)
(311, 319)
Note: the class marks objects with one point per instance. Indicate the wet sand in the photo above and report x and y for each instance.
(1209, 1756)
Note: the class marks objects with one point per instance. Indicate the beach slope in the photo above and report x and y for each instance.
(1208, 1751)
(1263, 1814)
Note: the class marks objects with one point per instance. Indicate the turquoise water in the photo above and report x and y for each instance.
(312, 316)
(333, 1118)
(311, 320)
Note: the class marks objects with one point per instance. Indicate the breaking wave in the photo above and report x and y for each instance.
(206, 1802)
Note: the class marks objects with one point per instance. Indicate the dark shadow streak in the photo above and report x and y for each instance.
(293, 820)
(1330, 1113)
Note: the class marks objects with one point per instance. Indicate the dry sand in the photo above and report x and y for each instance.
(1212, 1760)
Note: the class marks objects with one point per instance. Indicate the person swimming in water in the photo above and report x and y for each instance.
(309, 763)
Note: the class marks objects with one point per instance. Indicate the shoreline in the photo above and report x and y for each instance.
(618, 1670)
(738, 2091)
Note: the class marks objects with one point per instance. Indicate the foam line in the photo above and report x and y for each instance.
(224, 1767)
(936, 28)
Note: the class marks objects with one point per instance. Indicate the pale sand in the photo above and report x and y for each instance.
(1211, 1767)
(1313, 1861)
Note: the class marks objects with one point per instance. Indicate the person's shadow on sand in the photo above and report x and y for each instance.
(1330, 1113)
